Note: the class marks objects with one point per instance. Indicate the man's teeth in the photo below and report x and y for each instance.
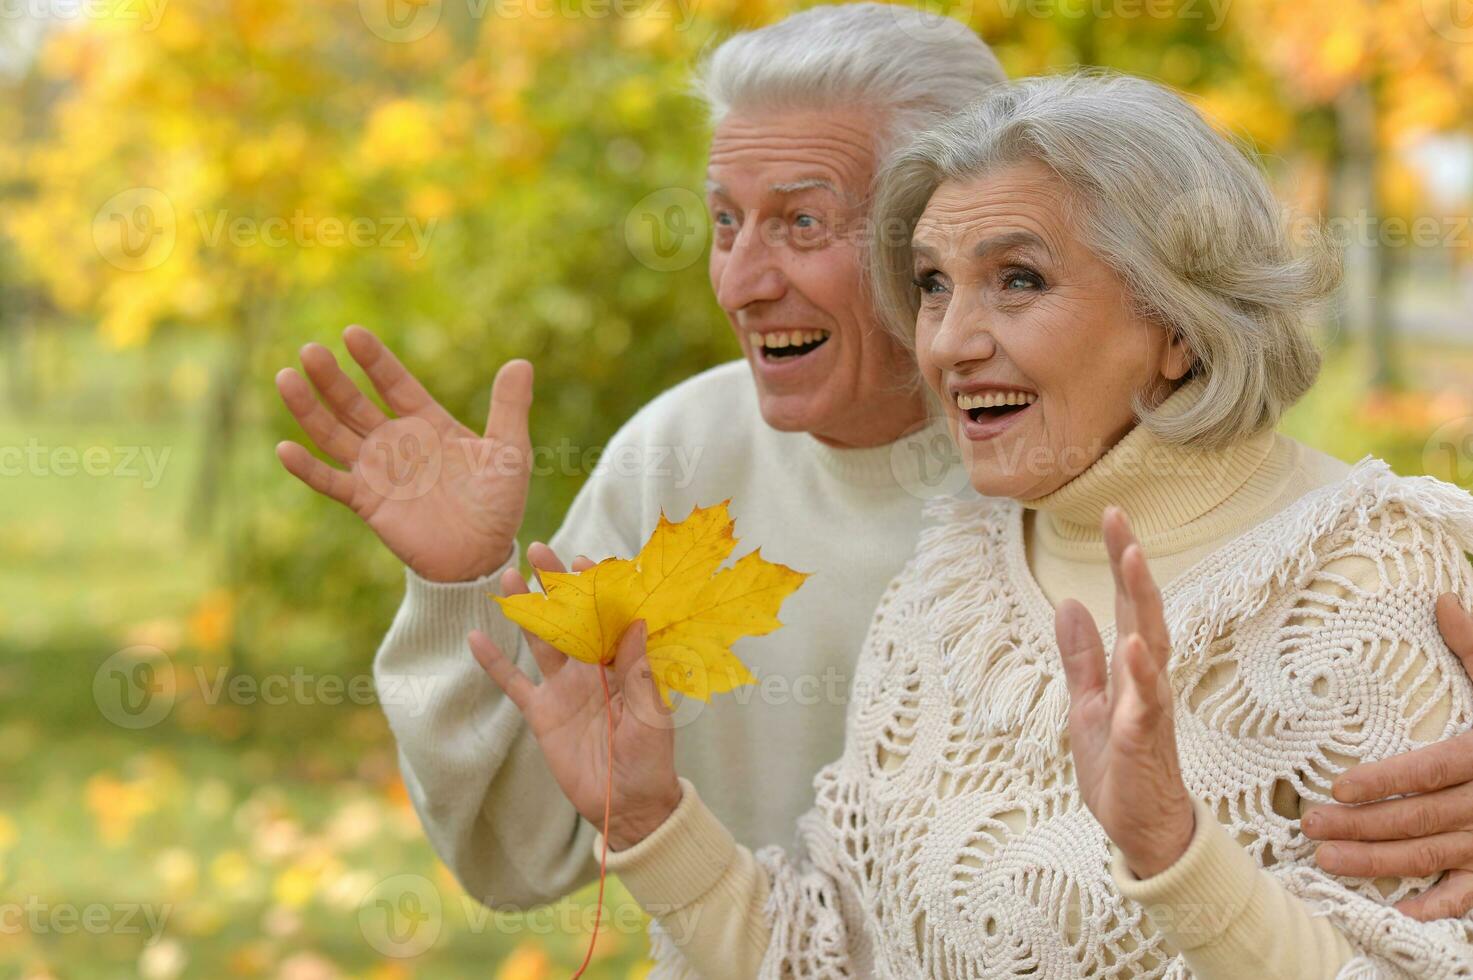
(790, 338)
(993, 399)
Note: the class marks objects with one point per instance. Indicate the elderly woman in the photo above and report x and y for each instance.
(1104, 303)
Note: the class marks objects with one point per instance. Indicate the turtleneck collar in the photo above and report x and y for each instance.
(1176, 497)
(907, 462)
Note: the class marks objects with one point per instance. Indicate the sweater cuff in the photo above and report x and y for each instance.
(680, 862)
(1198, 898)
(435, 596)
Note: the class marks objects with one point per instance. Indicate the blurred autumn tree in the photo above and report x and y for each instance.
(190, 176)
(197, 175)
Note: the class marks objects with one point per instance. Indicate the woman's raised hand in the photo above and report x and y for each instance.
(1120, 719)
(568, 717)
(445, 500)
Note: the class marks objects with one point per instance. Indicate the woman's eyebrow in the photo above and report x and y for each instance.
(1011, 239)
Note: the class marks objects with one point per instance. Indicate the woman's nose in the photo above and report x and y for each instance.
(963, 336)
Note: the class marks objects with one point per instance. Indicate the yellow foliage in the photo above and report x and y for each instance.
(116, 806)
(212, 622)
(527, 962)
(401, 132)
(692, 612)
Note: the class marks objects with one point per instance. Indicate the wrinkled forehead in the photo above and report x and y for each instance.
(1022, 205)
(756, 155)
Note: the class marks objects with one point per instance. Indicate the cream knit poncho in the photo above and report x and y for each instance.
(949, 839)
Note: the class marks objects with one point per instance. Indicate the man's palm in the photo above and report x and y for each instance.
(446, 501)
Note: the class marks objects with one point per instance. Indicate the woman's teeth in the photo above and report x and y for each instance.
(993, 404)
(790, 343)
(994, 399)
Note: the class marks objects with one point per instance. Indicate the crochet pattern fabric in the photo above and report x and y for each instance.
(949, 840)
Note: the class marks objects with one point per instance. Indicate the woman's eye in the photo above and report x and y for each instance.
(1015, 279)
(725, 218)
(805, 221)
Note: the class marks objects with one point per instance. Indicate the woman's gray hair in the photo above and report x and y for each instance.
(913, 67)
(1182, 215)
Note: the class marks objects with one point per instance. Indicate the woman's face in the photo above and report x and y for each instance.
(1028, 338)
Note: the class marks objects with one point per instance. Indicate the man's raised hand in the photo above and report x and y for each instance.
(446, 501)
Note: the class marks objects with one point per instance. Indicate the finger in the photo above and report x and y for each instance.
(1397, 859)
(583, 563)
(543, 558)
(323, 427)
(1139, 695)
(1118, 537)
(1433, 767)
(1456, 626)
(511, 401)
(390, 378)
(507, 675)
(1450, 898)
(1145, 598)
(1403, 818)
(338, 391)
(549, 658)
(512, 583)
(1081, 650)
(635, 677)
(315, 473)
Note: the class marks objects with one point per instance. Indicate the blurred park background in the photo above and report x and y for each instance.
(191, 189)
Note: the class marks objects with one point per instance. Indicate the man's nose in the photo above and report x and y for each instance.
(753, 270)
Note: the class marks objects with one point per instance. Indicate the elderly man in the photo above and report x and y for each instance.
(821, 440)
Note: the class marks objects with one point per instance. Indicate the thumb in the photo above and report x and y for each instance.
(1456, 627)
(511, 401)
(1081, 649)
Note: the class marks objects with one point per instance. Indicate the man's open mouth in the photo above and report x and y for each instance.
(783, 344)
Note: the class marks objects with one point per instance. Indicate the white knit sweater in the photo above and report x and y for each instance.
(949, 839)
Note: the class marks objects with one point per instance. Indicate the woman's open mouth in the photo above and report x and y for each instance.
(989, 412)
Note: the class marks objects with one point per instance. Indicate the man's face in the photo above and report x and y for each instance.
(787, 193)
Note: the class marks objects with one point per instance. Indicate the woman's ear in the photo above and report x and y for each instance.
(1179, 357)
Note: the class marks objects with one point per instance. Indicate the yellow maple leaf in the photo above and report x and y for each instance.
(693, 609)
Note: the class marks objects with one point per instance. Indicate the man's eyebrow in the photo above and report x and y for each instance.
(805, 184)
(788, 187)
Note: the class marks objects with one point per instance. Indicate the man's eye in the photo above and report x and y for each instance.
(725, 218)
(806, 221)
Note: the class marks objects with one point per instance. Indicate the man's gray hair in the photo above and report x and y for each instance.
(1182, 215)
(911, 66)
